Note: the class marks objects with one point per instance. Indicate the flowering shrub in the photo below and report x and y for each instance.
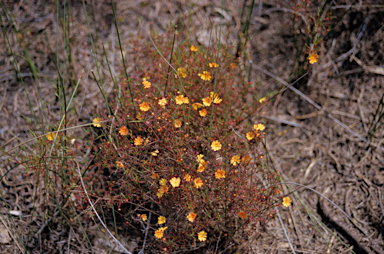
(184, 148)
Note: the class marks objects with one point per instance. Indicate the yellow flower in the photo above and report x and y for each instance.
(207, 101)
(203, 112)
(191, 216)
(177, 123)
(159, 194)
(144, 106)
(138, 141)
(175, 182)
(202, 235)
(242, 215)
(185, 100)
(96, 122)
(313, 58)
(50, 136)
(163, 189)
(215, 97)
(154, 153)
(220, 173)
(146, 84)
(145, 78)
(287, 201)
(160, 232)
(262, 100)
(163, 102)
(119, 164)
(205, 76)
(123, 131)
(161, 220)
(187, 177)
(196, 106)
(198, 182)
(154, 175)
(182, 72)
(216, 146)
(200, 158)
(213, 65)
(144, 217)
(235, 160)
(180, 99)
(163, 181)
(259, 127)
(193, 48)
(203, 165)
(250, 135)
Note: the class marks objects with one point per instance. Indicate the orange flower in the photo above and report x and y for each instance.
(146, 84)
(138, 141)
(175, 182)
(182, 72)
(187, 177)
(216, 146)
(180, 99)
(51, 136)
(287, 201)
(191, 216)
(193, 48)
(123, 131)
(313, 58)
(203, 165)
(160, 232)
(96, 122)
(259, 127)
(202, 235)
(220, 173)
(154, 175)
(177, 123)
(198, 182)
(243, 215)
(207, 101)
(235, 160)
(163, 181)
(250, 135)
(213, 65)
(161, 220)
(196, 106)
(162, 102)
(203, 112)
(119, 164)
(144, 106)
(215, 97)
(205, 76)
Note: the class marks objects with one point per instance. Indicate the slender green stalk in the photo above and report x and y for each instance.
(122, 55)
(113, 80)
(93, 47)
(170, 62)
(102, 92)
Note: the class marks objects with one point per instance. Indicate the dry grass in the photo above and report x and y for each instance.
(320, 154)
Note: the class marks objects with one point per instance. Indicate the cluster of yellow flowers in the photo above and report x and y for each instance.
(181, 99)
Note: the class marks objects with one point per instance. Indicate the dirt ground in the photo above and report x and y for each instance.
(319, 138)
